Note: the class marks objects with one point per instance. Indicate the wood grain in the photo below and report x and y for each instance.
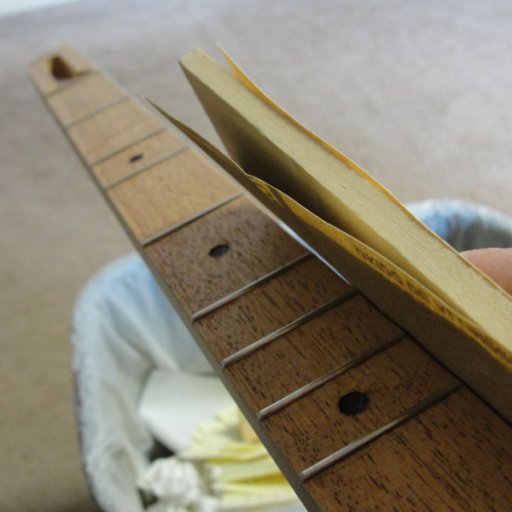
(160, 197)
(268, 307)
(138, 156)
(395, 380)
(74, 103)
(112, 130)
(255, 246)
(456, 457)
(310, 351)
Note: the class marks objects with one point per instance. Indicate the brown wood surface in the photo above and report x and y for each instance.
(456, 455)
(268, 307)
(308, 352)
(395, 380)
(255, 246)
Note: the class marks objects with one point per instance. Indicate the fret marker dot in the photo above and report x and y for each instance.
(136, 158)
(218, 250)
(353, 403)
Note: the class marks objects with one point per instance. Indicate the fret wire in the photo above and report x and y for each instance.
(73, 82)
(146, 168)
(255, 345)
(327, 377)
(128, 146)
(249, 286)
(361, 442)
(167, 231)
(94, 113)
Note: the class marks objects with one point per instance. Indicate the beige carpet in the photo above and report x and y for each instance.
(417, 92)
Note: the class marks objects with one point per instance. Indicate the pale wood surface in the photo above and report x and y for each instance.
(112, 130)
(71, 104)
(50, 75)
(454, 456)
(148, 209)
(138, 156)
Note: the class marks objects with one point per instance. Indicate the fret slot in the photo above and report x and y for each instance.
(350, 448)
(92, 93)
(266, 308)
(285, 329)
(113, 129)
(194, 218)
(96, 112)
(324, 379)
(246, 288)
(257, 246)
(446, 458)
(167, 194)
(332, 340)
(146, 167)
(127, 146)
(149, 151)
(396, 380)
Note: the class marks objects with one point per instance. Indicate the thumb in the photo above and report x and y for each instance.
(495, 263)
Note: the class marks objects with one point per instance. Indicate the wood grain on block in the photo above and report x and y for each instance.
(87, 96)
(138, 156)
(455, 456)
(169, 193)
(59, 69)
(324, 343)
(395, 380)
(223, 251)
(269, 306)
(112, 130)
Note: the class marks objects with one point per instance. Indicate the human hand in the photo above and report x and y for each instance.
(495, 263)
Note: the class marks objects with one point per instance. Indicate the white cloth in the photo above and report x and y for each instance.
(123, 328)
(171, 394)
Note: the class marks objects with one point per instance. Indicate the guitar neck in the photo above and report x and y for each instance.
(356, 414)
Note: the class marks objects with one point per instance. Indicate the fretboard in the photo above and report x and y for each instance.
(358, 416)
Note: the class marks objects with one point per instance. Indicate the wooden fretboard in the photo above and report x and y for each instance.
(357, 415)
